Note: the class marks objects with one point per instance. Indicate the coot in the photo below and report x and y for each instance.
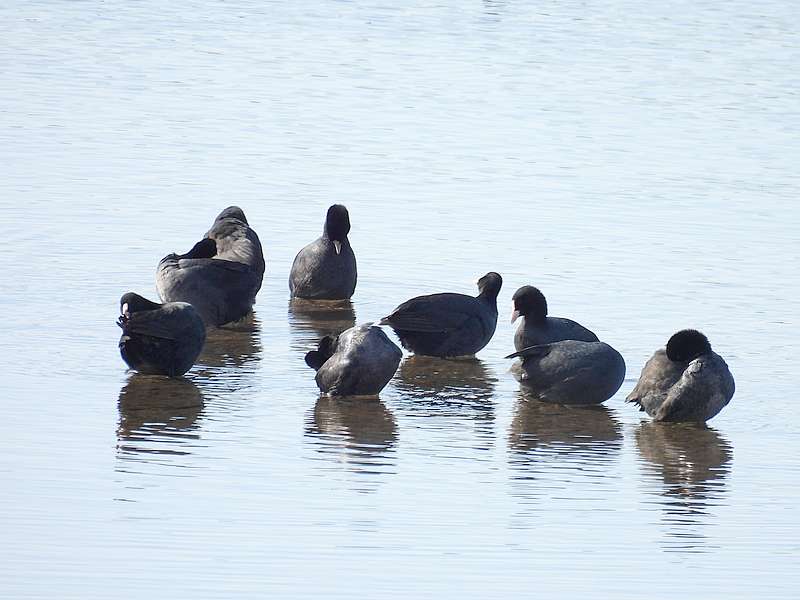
(448, 325)
(536, 327)
(221, 275)
(159, 339)
(686, 381)
(326, 268)
(358, 362)
(571, 371)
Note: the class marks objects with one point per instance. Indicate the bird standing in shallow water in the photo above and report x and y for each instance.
(686, 381)
(357, 362)
(325, 269)
(448, 325)
(571, 371)
(221, 275)
(159, 339)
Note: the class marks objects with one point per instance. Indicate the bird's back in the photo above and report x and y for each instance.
(238, 242)
(552, 329)
(446, 324)
(163, 341)
(703, 390)
(364, 361)
(658, 376)
(573, 371)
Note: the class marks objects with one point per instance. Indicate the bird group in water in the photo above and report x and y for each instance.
(561, 361)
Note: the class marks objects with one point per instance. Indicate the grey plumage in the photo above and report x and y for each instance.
(571, 371)
(159, 339)
(325, 269)
(358, 362)
(691, 384)
(222, 273)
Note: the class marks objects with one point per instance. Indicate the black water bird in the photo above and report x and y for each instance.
(159, 339)
(221, 275)
(325, 269)
(536, 327)
(358, 362)
(686, 381)
(571, 371)
(449, 324)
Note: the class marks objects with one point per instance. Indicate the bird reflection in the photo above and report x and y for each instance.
(157, 415)
(693, 461)
(493, 7)
(442, 382)
(588, 437)
(558, 428)
(558, 450)
(357, 432)
(450, 388)
(312, 320)
(234, 345)
(229, 359)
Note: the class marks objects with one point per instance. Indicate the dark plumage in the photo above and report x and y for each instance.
(358, 362)
(448, 325)
(159, 339)
(686, 381)
(687, 345)
(536, 327)
(221, 275)
(326, 268)
(571, 371)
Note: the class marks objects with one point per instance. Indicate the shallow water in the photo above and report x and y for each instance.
(637, 162)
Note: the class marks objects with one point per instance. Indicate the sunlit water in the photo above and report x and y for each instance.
(637, 161)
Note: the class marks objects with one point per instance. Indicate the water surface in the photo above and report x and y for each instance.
(637, 162)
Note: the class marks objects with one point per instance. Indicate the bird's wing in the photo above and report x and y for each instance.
(538, 351)
(215, 263)
(148, 322)
(438, 313)
(337, 377)
(576, 331)
(658, 375)
(237, 242)
(692, 391)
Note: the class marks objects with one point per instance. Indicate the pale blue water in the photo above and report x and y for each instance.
(638, 162)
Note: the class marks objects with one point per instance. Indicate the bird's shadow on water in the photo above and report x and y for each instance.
(358, 433)
(692, 462)
(158, 416)
(312, 320)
